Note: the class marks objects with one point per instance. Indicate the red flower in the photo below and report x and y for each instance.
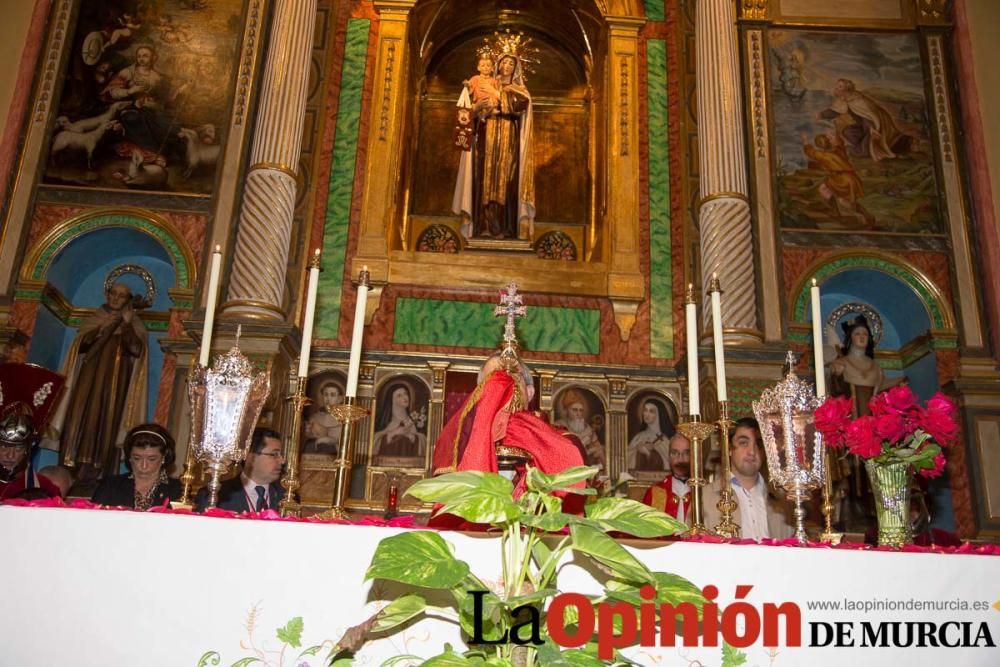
(891, 427)
(941, 426)
(901, 398)
(862, 439)
(832, 418)
(941, 403)
(936, 471)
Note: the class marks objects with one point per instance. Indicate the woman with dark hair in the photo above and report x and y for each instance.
(397, 433)
(854, 372)
(149, 453)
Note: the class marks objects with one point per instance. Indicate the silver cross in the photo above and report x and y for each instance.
(510, 307)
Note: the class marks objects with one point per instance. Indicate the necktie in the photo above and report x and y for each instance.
(261, 501)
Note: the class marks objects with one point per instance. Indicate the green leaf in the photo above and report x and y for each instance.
(670, 588)
(399, 611)
(291, 634)
(417, 558)
(450, 659)
(494, 615)
(603, 549)
(539, 481)
(209, 658)
(629, 516)
(243, 662)
(475, 496)
(312, 650)
(549, 522)
(401, 658)
(530, 598)
(732, 657)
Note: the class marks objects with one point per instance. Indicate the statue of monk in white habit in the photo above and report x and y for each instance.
(106, 371)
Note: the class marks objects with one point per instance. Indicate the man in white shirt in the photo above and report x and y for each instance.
(759, 513)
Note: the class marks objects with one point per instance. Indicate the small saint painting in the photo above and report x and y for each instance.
(851, 130)
(146, 95)
(581, 414)
(321, 430)
(651, 420)
(400, 423)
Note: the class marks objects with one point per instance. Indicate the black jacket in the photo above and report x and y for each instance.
(119, 491)
(232, 497)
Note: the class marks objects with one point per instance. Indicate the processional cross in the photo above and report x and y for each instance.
(511, 306)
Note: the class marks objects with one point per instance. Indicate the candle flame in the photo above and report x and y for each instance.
(218, 248)
(814, 282)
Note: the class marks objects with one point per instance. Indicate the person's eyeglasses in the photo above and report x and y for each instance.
(273, 455)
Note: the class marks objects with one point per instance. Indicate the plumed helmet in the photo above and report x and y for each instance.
(16, 429)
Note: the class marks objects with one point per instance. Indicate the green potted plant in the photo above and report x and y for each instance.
(510, 626)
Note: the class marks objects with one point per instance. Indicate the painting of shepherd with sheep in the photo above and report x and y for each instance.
(147, 95)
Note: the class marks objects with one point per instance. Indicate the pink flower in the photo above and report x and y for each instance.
(862, 438)
(939, 463)
(891, 427)
(941, 426)
(832, 419)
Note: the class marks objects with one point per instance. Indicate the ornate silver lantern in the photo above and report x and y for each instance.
(794, 448)
(226, 402)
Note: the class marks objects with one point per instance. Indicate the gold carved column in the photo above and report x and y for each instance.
(379, 206)
(626, 284)
(257, 278)
(724, 217)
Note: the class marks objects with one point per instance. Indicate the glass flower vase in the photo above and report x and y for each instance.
(891, 488)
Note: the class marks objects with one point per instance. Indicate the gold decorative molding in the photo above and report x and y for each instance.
(939, 89)
(623, 104)
(753, 10)
(288, 170)
(390, 59)
(757, 98)
(933, 12)
(50, 70)
(245, 78)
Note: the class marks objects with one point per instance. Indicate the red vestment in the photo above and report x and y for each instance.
(661, 497)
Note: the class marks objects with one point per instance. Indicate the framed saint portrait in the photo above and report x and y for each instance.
(652, 419)
(400, 420)
(320, 430)
(581, 413)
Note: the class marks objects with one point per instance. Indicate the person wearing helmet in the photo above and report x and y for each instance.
(17, 439)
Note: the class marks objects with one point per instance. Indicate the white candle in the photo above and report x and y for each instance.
(817, 323)
(307, 325)
(720, 352)
(354, 366)
(213, 297)
(694, 404)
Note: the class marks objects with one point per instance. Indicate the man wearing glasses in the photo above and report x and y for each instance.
(257, 488)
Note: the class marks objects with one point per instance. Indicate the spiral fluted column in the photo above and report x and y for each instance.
(724, 216)
(257, 278)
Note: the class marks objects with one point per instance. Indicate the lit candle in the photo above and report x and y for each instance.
(817, 323)
(354, 366)
(715, 289)
(307, 325)
(213, 297)
(694, 404)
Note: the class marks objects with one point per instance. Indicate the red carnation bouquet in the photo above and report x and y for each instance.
(899, 429)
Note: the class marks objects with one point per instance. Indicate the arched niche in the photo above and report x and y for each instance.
(566, 101)
(70, 264)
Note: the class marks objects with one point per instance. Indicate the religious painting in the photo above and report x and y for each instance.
(320, 430)
(852, 134)
(400, 423)
(147, 95)
(651, 423)
(580, 412)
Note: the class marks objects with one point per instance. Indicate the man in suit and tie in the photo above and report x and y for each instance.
(256, 488)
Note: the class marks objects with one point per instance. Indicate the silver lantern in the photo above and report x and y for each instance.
(794, 448)
(226, 402)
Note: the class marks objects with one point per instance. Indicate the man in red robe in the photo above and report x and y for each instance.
(672, 495)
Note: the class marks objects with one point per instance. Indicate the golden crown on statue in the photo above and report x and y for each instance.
(509, 43)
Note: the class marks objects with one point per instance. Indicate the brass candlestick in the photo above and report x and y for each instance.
(727, 501)
(828, 534)
(297, 402)
(347, 414)
(190, 461)
(696, 430)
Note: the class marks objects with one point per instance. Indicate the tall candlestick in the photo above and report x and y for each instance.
(715, 289)
(213, 297)
(817, 323)
(354, 367)
(694, 403)
(307, 325)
